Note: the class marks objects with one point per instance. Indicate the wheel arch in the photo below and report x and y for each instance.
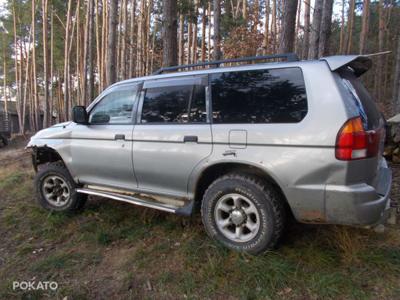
(45, 154)
(212, 172)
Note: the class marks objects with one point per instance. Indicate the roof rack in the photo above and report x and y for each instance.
(288, 56)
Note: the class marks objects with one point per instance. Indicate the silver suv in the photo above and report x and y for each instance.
(249, 144)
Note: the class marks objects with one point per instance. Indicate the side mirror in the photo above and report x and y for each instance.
(79, 115)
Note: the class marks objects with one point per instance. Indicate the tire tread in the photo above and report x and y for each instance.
(271, 193)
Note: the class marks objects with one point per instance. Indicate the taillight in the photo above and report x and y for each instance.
(353, 142)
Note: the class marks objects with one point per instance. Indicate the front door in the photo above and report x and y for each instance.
(101, 151)
(172, 135)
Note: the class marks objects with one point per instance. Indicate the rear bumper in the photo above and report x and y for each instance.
(360, 204)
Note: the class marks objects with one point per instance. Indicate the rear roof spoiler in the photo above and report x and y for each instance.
(359, 63)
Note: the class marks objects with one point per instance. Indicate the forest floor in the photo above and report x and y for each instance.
(113, 250)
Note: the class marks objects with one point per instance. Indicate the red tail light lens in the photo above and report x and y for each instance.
(353, 142)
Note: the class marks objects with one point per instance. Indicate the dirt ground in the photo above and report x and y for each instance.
(116, 250)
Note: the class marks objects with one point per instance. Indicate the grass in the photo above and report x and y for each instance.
(117, 250)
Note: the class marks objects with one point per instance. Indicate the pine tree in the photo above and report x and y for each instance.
(286, 43)
(111, 61)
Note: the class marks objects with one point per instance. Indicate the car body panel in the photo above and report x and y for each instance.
(101, 159)
(163, 161)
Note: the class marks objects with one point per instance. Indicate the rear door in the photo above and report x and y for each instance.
(172, 134)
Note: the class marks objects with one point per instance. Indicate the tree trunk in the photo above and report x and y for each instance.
(396, 82)
(90, 61)
(18, 76)
(79, 66)
(104, 44)
(325, 30)
(51, 106)
(209, 32)
(5, 74)
(266, 27)
(286, 43)
(153, 47)
(315, 30)
(296, 36)
(124, 33)
(381, 40)
(45, 64)
(98, 43)
(189, 40)
(273, 26)
(119, 33)
(66, 62)
(306, 44)
(111, 75)
(244, 9)
(83, 100)
(350, 25)
(34, 74)
(194, 35)
(364, 26)
(169, 33)
(203, 34)
(27, 81)
(148, 41)
(139, 40)
(181, 39)
(217, 32)
(256, 16)
(132, 39)
(342, 26)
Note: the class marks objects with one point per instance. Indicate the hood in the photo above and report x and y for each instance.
(62, 124)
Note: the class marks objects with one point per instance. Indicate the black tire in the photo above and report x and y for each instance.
(268, 205)
(74, 202)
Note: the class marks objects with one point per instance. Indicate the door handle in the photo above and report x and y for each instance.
(119, 137)
(190, 138)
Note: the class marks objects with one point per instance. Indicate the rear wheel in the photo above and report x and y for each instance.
(56, 190)
(243, 213)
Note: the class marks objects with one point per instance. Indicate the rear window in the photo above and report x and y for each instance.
(259, 96)
(363, 100)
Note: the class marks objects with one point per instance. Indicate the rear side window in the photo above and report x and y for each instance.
(174, 104)
(259, 96)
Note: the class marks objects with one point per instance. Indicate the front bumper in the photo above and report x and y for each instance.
(360, 204)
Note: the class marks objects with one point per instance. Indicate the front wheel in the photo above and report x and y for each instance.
(56, 189)
(243, 213)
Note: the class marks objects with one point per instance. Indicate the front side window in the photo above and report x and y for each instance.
(115, 108)
(174, 104)
(259, 96)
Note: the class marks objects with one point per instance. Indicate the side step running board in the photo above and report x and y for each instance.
(185, 210)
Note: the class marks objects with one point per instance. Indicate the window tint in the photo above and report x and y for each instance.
(197, 105)
(259, 96)
(172, 104)
(115, 108)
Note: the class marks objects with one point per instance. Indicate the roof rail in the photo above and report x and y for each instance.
(288, 56)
